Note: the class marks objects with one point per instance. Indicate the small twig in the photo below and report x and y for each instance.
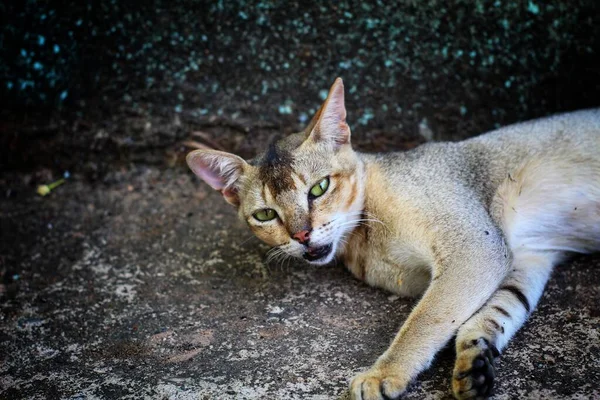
(44, 190)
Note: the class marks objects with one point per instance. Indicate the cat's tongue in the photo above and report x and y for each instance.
(312, 250)
(314, 253)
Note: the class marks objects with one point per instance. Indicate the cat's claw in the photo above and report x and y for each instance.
(474, 371)
(377, 384)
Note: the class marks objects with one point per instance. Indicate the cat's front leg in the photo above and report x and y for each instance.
(466, 272)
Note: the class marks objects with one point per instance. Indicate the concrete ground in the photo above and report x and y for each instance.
(145, 285)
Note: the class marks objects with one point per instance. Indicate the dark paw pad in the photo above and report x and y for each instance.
(475, 372)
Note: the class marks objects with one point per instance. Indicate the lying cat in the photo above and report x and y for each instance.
(474, 227)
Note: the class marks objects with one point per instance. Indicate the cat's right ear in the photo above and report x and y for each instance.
(329, 123)
(220, 170)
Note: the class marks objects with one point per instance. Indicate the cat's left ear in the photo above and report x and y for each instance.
(329, 123)
(220, 170)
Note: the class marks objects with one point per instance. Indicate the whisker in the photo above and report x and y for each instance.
(364, 219)
(246, 240)
(274, 254)
(356, 222)
(360, 220)
(279, 262)
(280, 258)
(344, 243)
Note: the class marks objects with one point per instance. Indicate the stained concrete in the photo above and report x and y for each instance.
(145, 285)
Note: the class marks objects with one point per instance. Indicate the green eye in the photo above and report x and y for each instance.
(265, 215)
(319, 188)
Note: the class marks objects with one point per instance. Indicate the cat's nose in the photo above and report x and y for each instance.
(302, 236)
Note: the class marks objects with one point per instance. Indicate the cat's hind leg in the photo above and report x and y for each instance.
(486, 333)
(545, 207)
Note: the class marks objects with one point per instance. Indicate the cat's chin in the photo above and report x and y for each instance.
(320, 255)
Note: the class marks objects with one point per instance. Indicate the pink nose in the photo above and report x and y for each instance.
(302, 236)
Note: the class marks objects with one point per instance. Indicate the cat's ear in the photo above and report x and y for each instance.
(329, 123)
(220, 170)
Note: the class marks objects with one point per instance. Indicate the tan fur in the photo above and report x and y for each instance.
(474, 227)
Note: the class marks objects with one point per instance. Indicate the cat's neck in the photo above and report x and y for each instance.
(358, 240)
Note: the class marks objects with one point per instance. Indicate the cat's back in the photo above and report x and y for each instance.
(579, 131)
(479, 165)
(575, 130)
(571, 137)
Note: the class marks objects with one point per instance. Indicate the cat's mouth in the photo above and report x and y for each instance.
(317, 253)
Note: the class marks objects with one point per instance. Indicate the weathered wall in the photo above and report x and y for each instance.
(466, 66)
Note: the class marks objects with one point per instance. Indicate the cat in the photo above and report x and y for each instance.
(473, 227)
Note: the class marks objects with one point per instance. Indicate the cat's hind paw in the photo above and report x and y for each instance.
(377, 384)
(474, 371)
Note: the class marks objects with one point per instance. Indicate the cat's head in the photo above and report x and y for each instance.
(304, 194)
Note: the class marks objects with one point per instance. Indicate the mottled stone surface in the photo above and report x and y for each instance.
(146, 286)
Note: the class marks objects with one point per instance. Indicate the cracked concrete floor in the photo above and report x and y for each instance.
(146, 286)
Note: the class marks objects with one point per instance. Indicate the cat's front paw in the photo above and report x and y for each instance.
(378, 383)
(474, 370)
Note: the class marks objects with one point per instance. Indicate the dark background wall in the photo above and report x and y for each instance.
(243, 67)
